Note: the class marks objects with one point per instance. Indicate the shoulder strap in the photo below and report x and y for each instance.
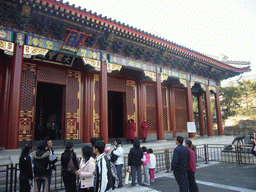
(109, 174)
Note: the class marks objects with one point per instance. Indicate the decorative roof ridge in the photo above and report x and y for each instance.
(237, 61)
(136, 31)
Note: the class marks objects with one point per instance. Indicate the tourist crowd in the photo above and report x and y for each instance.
(100, 169)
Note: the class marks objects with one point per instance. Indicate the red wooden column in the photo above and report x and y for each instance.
(5, 100)
(190, 107)
(208, 111)
(172, 113)
(218, 112)
(201, 114)
(159, 108)
(104, 101)
(141, 106)
(88, 111)
(14, 98)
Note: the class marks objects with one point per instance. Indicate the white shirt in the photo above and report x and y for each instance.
(152, 161)
(120, 153)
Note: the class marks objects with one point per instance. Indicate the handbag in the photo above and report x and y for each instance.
(113, 157)
(71, 166)
(126, 181)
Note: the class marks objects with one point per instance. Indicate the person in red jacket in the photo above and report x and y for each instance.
(144, 127)
(127, 132)
(191, 168)
(132, 130)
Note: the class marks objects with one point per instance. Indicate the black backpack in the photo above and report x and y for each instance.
(112, 174)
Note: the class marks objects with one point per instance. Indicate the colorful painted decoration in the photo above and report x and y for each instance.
(74, 41)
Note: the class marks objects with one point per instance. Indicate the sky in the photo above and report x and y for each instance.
(212, 27)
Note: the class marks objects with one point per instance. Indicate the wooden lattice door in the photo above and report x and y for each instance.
(73, 101)
(26, 119)
(181, 110)
(151, 107)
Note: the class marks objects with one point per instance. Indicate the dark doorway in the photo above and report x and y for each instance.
(49, 111)
(116, 101)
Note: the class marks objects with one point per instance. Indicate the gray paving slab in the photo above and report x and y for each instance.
(210, 177)
(229, 174)
(155, 145)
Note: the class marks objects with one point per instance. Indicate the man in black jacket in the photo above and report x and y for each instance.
(180, 164)
(134, 160)
(41, 167)
(53, 159)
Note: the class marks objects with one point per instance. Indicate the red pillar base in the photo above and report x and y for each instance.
(191, 135)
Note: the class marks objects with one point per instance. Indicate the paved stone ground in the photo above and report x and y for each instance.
(215, 177)
(7, 156)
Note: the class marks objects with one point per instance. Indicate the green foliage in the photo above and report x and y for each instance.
(238, 100)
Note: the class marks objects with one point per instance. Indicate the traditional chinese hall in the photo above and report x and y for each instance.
(71, 74)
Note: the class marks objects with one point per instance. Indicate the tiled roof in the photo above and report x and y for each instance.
(137, 33)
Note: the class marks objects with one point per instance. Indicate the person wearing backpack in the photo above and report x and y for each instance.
(68, 159)
(103, 179)
(41, 167)
(119, 152)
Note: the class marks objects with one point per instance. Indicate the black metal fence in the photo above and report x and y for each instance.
(240, 154)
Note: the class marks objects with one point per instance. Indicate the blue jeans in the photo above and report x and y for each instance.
(119, 174)
(135, 169)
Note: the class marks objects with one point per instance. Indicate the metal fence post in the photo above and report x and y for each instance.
(195, 148)
(15, 177)
(11, 177)
(238, 154)
(167, 160)
(7, 175)
(206, 153)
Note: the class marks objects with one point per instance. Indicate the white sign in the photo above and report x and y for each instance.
(191, 127)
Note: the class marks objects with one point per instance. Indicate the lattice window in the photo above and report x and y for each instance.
(151, 118)
(181, 119)
(27, 88)
(1, 83)
(180, 98)
(97, 97)
(165, 110)
(181, 109)
(151, 106)
(130, 100)
(164, 98)
(52, 75)
(72, 95)
(116, 84)
(165, 116)
(151, 94)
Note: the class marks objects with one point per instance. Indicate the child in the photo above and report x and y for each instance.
(152, 165)
(145, 162)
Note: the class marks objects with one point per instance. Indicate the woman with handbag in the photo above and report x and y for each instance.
(69, 165)
(118, 152)
(86, 170)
